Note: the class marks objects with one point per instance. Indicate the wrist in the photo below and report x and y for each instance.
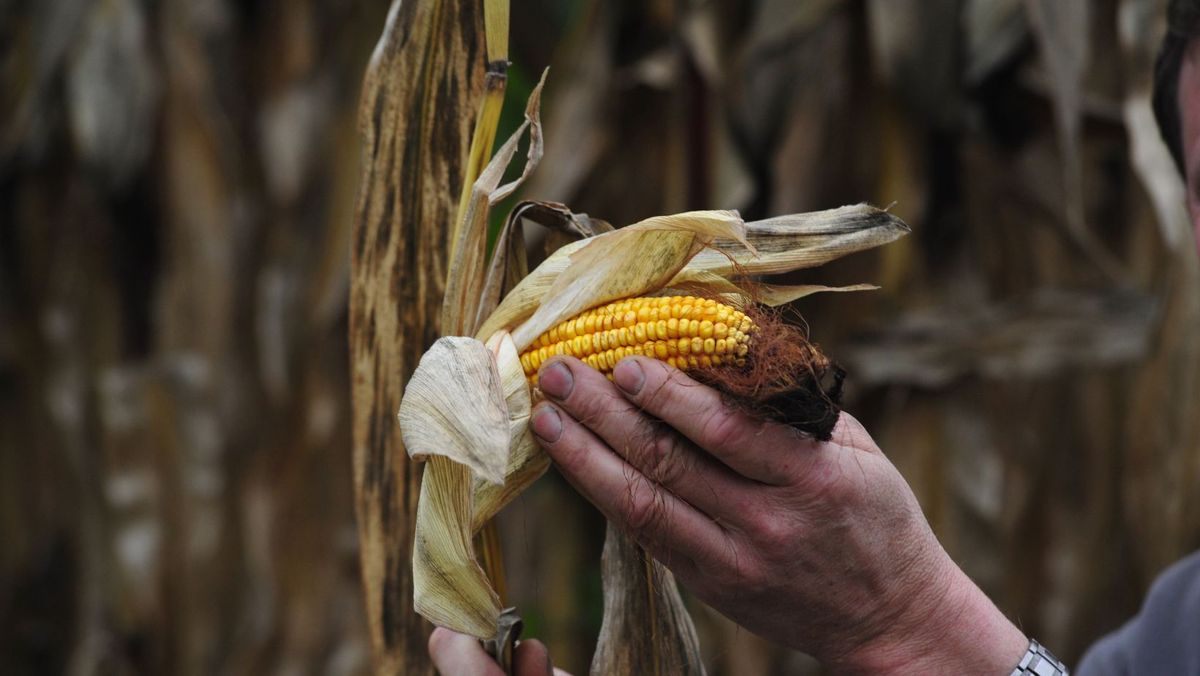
(950, 627)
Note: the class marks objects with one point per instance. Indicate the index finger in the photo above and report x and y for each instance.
(767, 452)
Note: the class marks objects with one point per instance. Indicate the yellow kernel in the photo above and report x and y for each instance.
(643, 313)
(589, 324)
(685, 345)
(672, 328)
(692, 362)
(705, 361)
(720, 330)
(693, 328)
(623, 337)
(553, 334)
(710, 346)
(706, 329)
(619, 354)
(685, 311)
(525, 363)
(716, 360)
(580, 326)
(596, 338)
(747, 326)
(608, 322)
(671, 362)
(652, 315)
(660, 350)
(639, 333)
(721, 346)
(629, 319)
(652, 330)
(697, 345)
(660, 329)
(742, 350)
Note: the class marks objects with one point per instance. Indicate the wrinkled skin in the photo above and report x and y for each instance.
(818, 546)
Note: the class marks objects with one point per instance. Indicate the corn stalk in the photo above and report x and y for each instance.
(420, 96)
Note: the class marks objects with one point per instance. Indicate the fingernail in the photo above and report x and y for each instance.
(546, 424)
(556, 380)
(629, 376)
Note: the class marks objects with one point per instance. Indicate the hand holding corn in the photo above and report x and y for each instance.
(818, 546)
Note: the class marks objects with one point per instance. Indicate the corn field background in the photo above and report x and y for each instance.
(177, 183)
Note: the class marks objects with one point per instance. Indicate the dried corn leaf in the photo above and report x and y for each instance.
(1061, 28)
(526, 459)
(797, 241)
(628, 262)
(449, 587)
(457, 375)
(774, 295)
(737, 292)
(647, 629)
(783, 244)
(1052, 332)
(467, 278)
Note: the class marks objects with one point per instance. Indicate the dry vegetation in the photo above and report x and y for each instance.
(177, 184)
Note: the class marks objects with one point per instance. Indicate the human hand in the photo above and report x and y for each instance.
(818, 546)
(457, 654)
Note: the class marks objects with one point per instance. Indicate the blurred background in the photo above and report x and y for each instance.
(177, 182)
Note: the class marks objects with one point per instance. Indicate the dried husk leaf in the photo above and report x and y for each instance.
(798, 241)
(783, 244)
(628, 262)
(737, 291)
(449, 587)
(454, 406)
(776, 294)
(526, 459)
(465, 285)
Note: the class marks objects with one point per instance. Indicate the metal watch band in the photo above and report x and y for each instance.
(1039, 662)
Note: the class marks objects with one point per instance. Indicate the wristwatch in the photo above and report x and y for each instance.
(1039, 662)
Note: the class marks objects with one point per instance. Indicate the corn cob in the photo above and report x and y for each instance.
(684, 331)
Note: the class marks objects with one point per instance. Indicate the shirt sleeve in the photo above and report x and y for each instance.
(1164, 637)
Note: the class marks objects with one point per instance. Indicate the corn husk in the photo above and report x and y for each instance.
(454, 406)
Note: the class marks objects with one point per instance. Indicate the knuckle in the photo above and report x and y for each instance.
(722, 430)
(663, 460)
(770, 529)
(644, 514)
